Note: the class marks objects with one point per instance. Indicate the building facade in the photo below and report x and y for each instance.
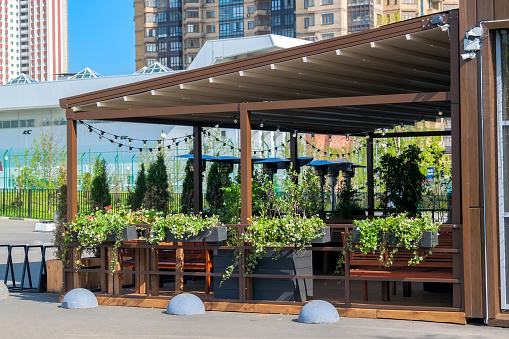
(33, 39)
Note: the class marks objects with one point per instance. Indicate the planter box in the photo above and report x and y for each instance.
(428, 239)
(285, 262)
(128, 234)
(324, 238)
(212, 234)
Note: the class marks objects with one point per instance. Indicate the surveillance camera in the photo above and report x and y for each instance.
(468, 56)
(473, 33)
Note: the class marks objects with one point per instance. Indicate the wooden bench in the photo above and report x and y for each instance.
(434, 266)
(194, 260)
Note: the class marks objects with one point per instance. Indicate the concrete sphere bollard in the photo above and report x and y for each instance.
(185, 304)
(318, 312)
(79, 298)
(4, 291)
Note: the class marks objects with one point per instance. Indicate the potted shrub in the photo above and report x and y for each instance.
(273, 233)
(187, 228)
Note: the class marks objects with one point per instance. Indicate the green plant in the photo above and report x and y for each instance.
(186, 199)
(403, 181)
(157, 195)
(217, 178)
(347, 202)
(59, 231)
(92, 230)
(182, 226)
(99, 191)
(386, 236)
(276, 233)
(140, 189)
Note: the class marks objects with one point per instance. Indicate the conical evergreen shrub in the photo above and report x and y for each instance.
(100, 191)
(140, 189)
(157, 195)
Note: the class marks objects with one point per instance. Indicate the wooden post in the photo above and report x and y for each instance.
(370, 178)
(140, 265)
(71, 278)
(245, 167)
(197, 174)
(294, 156)
(179, 267)
(104, 266)
(154, 278)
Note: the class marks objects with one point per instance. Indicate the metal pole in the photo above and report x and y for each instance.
(9, 176)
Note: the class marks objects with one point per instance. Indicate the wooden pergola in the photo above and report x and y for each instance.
(356, 84)
(396, 74)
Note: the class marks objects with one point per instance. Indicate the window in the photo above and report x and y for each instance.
(211, 14)
(161, 17)
(151, 48)
(327, 19)
(327, 2)
(250, 25)
(327, 36)
(306, 22)
(264, 5)
(211, 28)
(150, 62)
(194, 43)
(150, 32)
(395, 2)
(406, 16)
(192, 13)
(250, 9)
(193, 28)
(408, 1)
(150, 17)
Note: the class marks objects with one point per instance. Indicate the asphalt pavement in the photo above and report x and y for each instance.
(39, 315)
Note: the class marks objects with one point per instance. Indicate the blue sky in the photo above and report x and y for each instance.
(101, 36)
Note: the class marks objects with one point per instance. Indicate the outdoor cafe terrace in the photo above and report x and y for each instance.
(351, 85)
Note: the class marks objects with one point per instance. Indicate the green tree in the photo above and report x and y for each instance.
(187, 197)
(99, 190)
(157, 195)
(86, 181)
(140, 189)
(403, 181)
(40, 164)
(217, 178)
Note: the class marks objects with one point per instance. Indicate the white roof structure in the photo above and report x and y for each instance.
(87, 73)
(217, 51)
(21, 79)
(156, 67)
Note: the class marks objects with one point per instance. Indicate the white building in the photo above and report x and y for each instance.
(29, 108)
(33, 39)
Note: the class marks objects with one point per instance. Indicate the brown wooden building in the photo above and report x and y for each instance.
(355, 84)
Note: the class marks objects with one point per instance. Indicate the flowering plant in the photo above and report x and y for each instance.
(91, 230)
(181, 225)
(388, 235)
(276, 233)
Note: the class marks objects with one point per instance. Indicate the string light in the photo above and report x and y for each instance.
(130, 140)
(347, 137)
(278, 129)
(294, 134)
(115, 140)
(330, 137)
(217, 126)
(89, 130)
(439, 111)
(383, 131)
(261, 124)
(144, 143)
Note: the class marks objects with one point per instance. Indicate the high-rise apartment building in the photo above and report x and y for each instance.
(33, 39)
(173, 31)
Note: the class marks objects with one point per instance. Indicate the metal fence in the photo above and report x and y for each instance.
(42, 203)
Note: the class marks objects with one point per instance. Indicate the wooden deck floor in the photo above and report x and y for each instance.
(435, 306)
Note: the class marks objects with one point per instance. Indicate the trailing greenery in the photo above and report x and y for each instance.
(386, 236)
(187, 197)
(140, 189)
(403, 181)
(157, 195)
(266, 233)
(182, 226)
(91, 230)
(99, 190)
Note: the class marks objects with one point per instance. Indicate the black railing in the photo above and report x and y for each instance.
(42, 203)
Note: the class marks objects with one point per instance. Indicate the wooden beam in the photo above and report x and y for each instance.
(245, 166)
(350, 101)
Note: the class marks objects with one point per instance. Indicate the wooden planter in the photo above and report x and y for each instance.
(287, 263)
(212, 234)
(428, 239)
(129, 233)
